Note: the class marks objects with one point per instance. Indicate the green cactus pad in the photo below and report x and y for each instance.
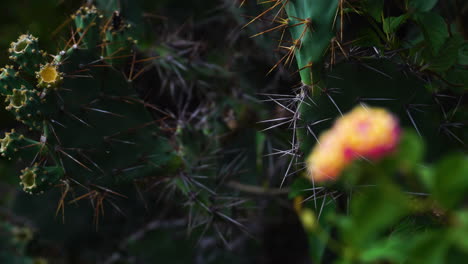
(312, 38)
(13, 145)
(87, 20)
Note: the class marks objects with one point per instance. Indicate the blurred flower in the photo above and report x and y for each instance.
(365, 132)
(368, 132)
(328, 157)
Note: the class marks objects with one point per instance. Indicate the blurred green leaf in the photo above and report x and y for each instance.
(428, 248)
(373, 210)
(422, 5)
(447, 55)
(410, 151)
(451, 180)
(391, 24)
(374, 8)
(367, 37)
(459, 230)
(319, 237)
(391, 249)
(458, 76)
(426, 176)
(434, 29)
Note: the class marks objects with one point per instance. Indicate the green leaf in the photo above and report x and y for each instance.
(374, 8)
(451, 180)
(426, 176)
(319, 238)
(391, 249)
(373, 210)
(459, 77)
(410, 151)
(422, 5)
(447, 55)
(434, 29)
(391, 24)
(367, 37)
(459, 230)
(428, 248)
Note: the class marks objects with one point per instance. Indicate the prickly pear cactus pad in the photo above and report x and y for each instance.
(83, 123)
(312, 24)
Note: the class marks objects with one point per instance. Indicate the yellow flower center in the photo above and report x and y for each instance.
(49, 74)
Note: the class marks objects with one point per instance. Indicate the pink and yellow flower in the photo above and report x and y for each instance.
(365, 132)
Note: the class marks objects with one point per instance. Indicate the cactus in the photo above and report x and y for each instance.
(311, 27)
(84, 124)
(191, 154)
